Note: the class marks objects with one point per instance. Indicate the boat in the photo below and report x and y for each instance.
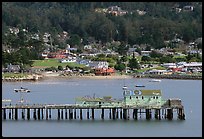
(124, 87)
(155, 80)
(139, 86)
(22, 90)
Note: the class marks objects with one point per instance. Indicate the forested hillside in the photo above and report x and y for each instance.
(161, 21)
(26, 24)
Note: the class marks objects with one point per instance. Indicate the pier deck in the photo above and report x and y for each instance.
(69, 110)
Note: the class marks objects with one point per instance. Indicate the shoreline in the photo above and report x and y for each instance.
(57, 75)
(91, 77)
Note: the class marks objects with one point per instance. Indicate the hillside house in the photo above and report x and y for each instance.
(98, 64)
(104, 71)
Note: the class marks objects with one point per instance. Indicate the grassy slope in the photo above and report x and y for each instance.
(52, 63)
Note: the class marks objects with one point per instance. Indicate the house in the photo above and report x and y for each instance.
(98, 64)
(143, 97)
(97, 101)
(116, 10)
(13, 68)
(67, 60)
(84, 61)
(104, 71)
(145, 53)
(157, 72)
(87, 47)
(188, 8)
(169, 65)
(14, 30)
(141, 12)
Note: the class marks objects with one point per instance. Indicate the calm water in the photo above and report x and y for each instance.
(61, 91)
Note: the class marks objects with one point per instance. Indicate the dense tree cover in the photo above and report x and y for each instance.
(80, 20)
(158, 24)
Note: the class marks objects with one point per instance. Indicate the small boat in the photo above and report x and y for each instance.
(139, 86)
(6, 100)
(124, 87)
(155, 80)
(22, 90)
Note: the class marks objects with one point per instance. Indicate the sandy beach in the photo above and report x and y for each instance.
(57, 75)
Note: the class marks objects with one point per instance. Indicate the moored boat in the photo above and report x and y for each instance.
(22, 90)
(139, 86)
(155, 80)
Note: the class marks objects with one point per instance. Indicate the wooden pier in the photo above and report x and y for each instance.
(134, 105)
(69, 111)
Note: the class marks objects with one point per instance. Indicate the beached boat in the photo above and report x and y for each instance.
(155, 80)
(22, 90)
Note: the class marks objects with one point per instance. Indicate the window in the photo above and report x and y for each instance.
(142, 97)
(156, 97)
(136, 97)
(130, 97)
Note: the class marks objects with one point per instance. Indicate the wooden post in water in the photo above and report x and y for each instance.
(113, 113)
(128, 113)
(50, 113)
(62, 114)
(66, 113)
(165, 113)
(117, 113)
(92, 111)
(28, 113)
(147, 114)
(169, 114)
(181, 114)
(121, 113)
(110, 114)
(75, 114)
(125, 113)
(102, 113)
(22, 114)
(159, 114)
(38, 113)
(150, 113)
(70, 113)
(34, 114)
(4, 114)
(140, 113)
(87, 114)
(13, 114)
(46, 112)
(16, 114)
(9, 113)
(42, 113)
(80, 114)
(135, 114)
(58, 116)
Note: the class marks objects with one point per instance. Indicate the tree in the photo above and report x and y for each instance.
(133, 64)
(74, 40)
(146, 58)
(122, 48)
(120, 66)
(60, 68)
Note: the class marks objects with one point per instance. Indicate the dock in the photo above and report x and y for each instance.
(69, 111)
(136, 104)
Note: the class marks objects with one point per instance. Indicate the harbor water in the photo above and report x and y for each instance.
(64, 91)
